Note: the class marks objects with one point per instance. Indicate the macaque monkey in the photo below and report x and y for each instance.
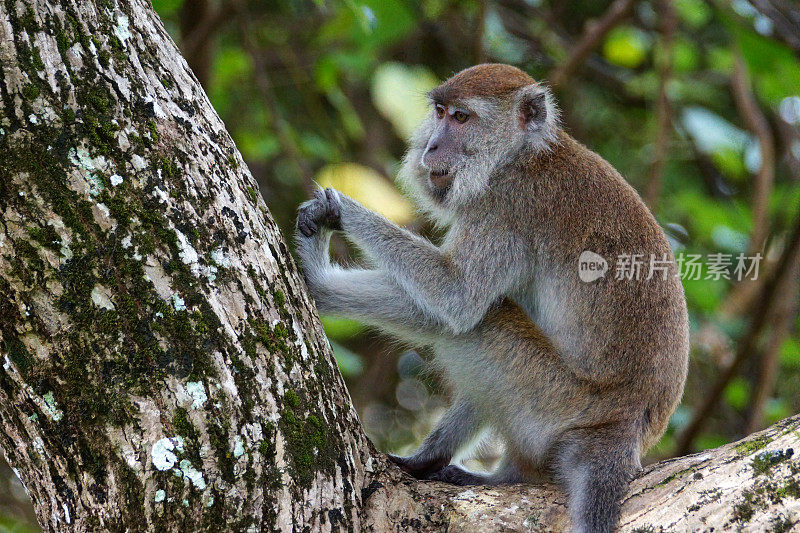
(578, 377)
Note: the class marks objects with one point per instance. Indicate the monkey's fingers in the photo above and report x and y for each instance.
(334, 207)
(305, 230)
(306, 226)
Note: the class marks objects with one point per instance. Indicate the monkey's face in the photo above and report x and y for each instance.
(480, 120)
(448, 145)
(451, 153)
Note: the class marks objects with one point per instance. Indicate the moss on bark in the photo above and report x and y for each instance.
(152, 317)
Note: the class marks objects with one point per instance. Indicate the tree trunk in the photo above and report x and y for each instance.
(162, 365)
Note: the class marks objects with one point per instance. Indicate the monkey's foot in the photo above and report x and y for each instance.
(457, 476)
(419, 468)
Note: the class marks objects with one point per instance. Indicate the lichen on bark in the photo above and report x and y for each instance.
(162, 365)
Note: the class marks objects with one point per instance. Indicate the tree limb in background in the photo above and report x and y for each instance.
(788, 135)
(748, 346)
(741, 296)
(514, 12)
(663, 108)
(198, 22)
(785, 313)
(765, 177)
(283, 130)
(480, 30)
(592, 36)
(785, 18)
(299, 70)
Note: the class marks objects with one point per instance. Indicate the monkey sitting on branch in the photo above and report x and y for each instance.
(579, 375)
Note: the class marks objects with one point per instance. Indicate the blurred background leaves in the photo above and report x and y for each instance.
(696, 102)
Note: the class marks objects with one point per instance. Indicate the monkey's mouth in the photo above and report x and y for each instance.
(441, 182)
(441, 178)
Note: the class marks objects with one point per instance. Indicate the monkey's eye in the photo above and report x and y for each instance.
(460, 116)
(440, 111)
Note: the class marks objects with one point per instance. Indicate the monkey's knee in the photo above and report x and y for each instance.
(516, 469)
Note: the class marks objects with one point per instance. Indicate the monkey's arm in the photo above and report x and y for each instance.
(371, 296)
(457, 286)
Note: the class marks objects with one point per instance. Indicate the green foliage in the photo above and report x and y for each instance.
(790, 353)
(167, 8)
(737, 394)
(627, 46)
(11, 524)
(774, 66)
(695, 13)
(686, 55)
(341, 328)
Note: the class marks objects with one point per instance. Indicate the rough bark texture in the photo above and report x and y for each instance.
(161, 365)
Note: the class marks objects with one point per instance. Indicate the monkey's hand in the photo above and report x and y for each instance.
(322, 210)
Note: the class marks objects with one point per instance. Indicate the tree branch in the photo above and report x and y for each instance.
(757, 123)
(753, 484)
(785, 19)
(480, 29)
(749, 345)
(784, 314)
(663, 107)
(592, 36)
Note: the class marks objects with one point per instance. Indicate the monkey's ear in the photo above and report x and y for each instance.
(533, 109)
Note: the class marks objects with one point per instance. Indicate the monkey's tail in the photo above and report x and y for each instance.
(597, 467)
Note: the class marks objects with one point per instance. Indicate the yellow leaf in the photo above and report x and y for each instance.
(400, 95)
(626, 46)
(369, 188)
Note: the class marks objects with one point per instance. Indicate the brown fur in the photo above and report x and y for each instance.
(570, 200)
(489, 80)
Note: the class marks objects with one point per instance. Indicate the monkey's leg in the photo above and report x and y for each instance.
(510, 470)
(455, 475)
(458, 425)
(596, 468)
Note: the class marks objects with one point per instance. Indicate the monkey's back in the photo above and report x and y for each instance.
(626, 337)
